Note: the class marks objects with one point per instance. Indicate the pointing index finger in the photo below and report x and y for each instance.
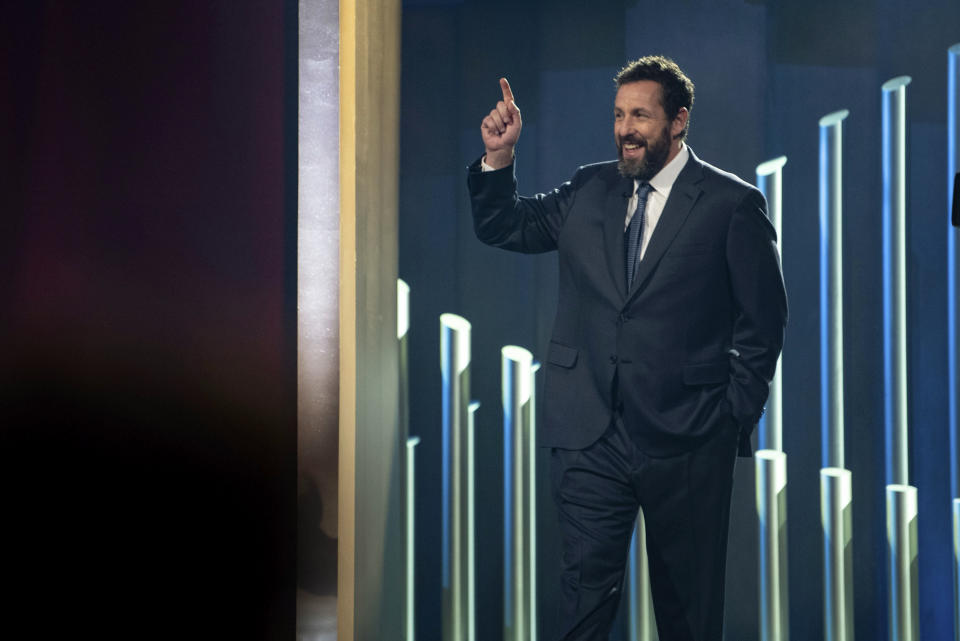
(507, 93)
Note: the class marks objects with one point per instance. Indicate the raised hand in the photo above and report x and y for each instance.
(500, 130)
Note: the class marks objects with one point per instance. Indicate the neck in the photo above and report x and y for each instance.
(675, 148)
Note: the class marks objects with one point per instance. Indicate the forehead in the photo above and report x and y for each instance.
(644, 94)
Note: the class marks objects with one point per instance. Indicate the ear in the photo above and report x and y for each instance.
(679, 122)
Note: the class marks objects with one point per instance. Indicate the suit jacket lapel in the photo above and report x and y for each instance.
(683, 195)
(614, 217)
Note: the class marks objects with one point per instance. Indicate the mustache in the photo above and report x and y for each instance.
(635, 140)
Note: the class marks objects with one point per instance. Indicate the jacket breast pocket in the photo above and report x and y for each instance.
(561, 355)
(710, 373)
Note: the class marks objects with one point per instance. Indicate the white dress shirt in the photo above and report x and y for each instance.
(661, 185)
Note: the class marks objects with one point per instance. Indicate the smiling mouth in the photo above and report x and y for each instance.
(631, 149)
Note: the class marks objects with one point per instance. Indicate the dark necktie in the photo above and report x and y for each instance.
(634, 235)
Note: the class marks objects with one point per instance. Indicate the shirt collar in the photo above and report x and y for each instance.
(662, 183)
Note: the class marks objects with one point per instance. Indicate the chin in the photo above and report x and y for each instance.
(634, 168)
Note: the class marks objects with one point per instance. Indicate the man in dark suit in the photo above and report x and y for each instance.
(669, 324)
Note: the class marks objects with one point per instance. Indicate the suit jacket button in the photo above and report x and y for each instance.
(613, 359)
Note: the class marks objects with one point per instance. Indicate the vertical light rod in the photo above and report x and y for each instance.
(410, 605)
(403, 327)
(836, 518)
(831, 289)
(895, 277)
(517, 383)
(770, 183)
(771, 496)
(531, 476)
(953, 314)
(471, 531)
(953, 265)
(640, 620)
(902, 562)
(403, 308)
(956, 569)
(457, 487)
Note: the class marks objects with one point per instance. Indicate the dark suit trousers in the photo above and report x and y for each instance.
(686, 506)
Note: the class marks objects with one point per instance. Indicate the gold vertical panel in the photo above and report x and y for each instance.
(346, 511)
(372, 450)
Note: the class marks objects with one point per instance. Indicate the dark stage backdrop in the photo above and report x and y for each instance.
(147, 332)
(765, 73)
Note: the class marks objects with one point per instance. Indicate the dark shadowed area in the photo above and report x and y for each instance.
(148, 327)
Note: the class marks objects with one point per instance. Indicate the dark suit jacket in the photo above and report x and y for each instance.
(693, 344)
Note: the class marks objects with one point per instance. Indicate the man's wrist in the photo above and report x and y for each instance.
(497, 159)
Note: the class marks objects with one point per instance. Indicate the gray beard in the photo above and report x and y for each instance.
(645, 168)
(636, 169)
(652, 162)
